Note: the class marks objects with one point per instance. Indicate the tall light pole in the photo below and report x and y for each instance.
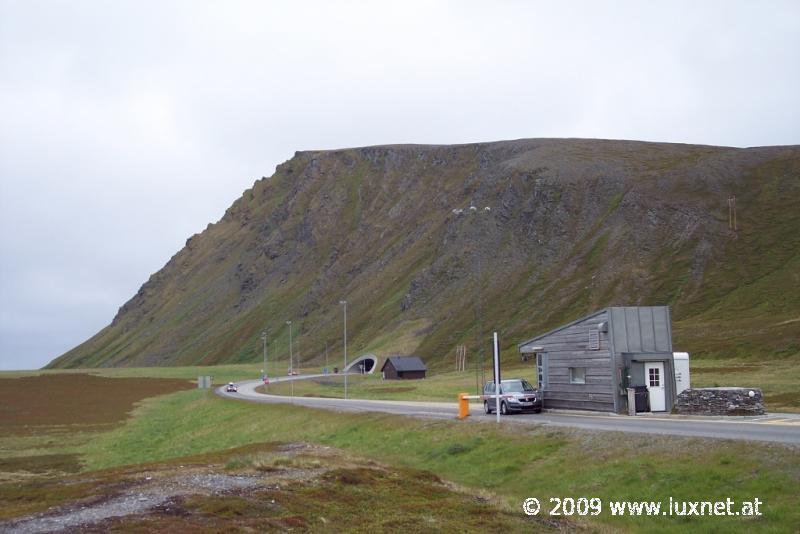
(344, 369)
(479, 377)
(289, 323)
(264, 339)
(291, 369)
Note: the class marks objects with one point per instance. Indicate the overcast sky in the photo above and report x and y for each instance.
(126, 127)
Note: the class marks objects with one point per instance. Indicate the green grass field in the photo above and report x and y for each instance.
(437, 387)
(507, 463)
(778, 378)
(512, 462)
(294, 486)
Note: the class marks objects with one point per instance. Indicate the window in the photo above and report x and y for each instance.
(516, 386)
(541, 370)
(577, 375)
(654, 377)
(594, 340)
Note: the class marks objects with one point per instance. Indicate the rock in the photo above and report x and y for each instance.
(720, 401)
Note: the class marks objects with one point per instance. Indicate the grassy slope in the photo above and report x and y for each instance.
(299, 487)
(513, 462)
(751, 302)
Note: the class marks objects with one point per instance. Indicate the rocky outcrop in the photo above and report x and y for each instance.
(720, 401)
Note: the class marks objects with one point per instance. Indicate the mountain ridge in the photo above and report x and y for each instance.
(574, 225)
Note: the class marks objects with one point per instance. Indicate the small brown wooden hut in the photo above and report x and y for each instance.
(403, 368)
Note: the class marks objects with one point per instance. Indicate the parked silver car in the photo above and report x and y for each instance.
(517, 395)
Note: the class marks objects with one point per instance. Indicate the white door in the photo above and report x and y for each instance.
(654, 379)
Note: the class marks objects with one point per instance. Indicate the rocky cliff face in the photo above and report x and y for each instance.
(573, 225)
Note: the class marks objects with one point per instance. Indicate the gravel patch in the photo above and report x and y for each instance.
(150, 493)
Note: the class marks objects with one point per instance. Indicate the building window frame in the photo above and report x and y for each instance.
(577, 375)
(654, 377)
(541, 370)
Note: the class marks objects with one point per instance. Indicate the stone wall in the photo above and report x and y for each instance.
(720, 401)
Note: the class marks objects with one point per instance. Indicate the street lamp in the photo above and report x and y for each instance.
(344, 369)
(482, 377)
(291, 369)
(264, 340)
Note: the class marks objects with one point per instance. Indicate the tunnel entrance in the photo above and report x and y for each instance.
(363, 364)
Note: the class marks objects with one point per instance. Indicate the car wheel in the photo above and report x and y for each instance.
(503, 408)
(486, 407)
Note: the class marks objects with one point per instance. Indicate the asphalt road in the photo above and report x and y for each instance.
(780, 428)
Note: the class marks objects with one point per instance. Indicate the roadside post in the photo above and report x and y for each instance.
(631, 401)
(463, 405)
(496, 346)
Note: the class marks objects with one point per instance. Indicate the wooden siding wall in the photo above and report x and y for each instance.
(411, 375)
(390, 373)
(570, 347)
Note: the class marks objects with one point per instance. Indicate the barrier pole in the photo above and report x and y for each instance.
(463, 405)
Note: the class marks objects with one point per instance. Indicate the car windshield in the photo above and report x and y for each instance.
(517, 386)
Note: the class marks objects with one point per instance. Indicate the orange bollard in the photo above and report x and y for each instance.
(463, 406)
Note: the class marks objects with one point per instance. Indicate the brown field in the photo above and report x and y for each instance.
(41, 417)
(42, 463)
(74, 399)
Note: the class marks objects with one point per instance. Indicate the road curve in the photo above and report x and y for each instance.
(779, 428)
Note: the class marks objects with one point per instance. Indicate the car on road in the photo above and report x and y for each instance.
(231, 388)
(516, 395)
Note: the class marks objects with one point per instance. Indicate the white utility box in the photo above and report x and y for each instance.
(682, 377)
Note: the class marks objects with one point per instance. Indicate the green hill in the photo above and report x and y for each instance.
(575, 225)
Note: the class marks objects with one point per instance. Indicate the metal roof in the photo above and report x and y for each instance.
(634, 329)
(406, 363)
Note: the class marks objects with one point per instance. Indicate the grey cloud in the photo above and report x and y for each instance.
(128, 126)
